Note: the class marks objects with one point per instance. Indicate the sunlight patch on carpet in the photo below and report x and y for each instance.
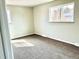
(21, 43)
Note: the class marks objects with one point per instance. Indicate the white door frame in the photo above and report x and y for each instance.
(2, 56)
(8, 52)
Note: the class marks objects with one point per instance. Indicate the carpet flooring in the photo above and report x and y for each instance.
(37, 47)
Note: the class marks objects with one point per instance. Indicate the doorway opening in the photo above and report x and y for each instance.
(30, 34)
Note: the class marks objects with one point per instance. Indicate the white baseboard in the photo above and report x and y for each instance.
(22, 36)
(75, 44)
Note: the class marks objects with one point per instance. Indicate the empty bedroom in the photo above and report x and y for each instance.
(43, 29)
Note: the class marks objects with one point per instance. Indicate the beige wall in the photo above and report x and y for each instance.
(67, 32)
(22, 21)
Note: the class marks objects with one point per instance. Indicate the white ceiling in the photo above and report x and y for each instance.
(29, 3)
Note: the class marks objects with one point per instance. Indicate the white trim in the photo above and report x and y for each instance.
(73, 43)
(2, 56)
(5, 32)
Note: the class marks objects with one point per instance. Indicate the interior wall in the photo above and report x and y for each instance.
(21, 21)
(67, 32)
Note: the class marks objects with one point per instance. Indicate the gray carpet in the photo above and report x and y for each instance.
(44, 48)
